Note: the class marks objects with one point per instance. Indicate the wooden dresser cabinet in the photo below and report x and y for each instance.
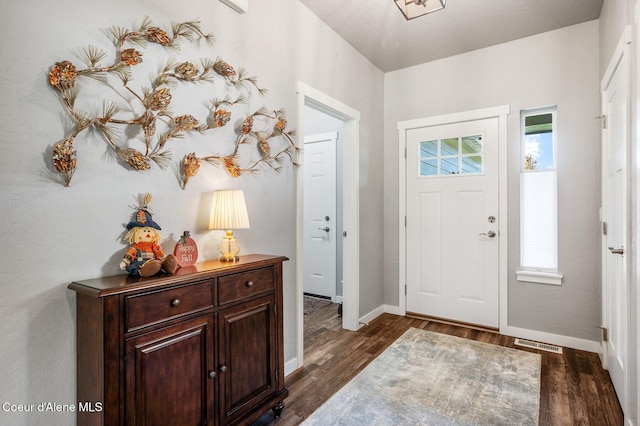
(201, 347)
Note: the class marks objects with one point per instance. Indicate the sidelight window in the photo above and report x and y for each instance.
(538, 197)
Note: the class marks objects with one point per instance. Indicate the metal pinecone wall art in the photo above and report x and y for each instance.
(138, 126)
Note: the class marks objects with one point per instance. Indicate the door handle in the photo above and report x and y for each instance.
(490, 234)
(325, 229)
(619, 251)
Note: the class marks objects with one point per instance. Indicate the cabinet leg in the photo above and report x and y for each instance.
(277, 410)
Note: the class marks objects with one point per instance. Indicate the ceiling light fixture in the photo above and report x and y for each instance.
(414, 8)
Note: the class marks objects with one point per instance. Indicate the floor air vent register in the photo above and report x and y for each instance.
(537, 345)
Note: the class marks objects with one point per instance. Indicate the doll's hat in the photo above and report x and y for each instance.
(143, 218)
(143, 214)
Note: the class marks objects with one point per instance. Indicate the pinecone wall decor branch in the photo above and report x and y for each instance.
(149, 109)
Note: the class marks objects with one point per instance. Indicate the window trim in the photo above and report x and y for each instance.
(539, 277)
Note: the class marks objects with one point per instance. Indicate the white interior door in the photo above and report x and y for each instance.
(320, 215)
(615, 98)
(452, 233)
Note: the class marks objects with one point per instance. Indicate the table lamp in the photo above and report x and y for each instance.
(228, 212)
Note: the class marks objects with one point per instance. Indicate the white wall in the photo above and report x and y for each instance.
(53, 235)
(556, 68)
(614, 16)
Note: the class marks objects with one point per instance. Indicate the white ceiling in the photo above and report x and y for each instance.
(377, 29)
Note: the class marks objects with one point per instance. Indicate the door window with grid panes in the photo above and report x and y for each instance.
(452, 156)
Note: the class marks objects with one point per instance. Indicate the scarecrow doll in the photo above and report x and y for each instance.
(145, 256)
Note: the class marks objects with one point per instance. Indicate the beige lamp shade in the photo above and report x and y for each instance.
(228, 210)
(414, 8)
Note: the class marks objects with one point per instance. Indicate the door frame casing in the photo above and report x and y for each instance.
(634, 173)
(499, 112)
(620, 58)
(308, 96)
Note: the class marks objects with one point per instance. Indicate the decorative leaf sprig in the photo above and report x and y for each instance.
(238, 79)
(248, 136)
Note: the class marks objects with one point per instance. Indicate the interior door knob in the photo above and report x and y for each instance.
(619, 251)
(490, 234)
(325, 229)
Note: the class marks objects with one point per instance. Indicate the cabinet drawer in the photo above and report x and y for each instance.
(148, 308)
(234, 287)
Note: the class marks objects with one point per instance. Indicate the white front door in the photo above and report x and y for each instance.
(615, 99)
(319, 231)
(452, 238)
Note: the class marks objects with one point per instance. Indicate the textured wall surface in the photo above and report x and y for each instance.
(53, 235)
(555, 68)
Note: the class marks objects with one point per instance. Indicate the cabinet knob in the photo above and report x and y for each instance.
(175, 302)
(212, 374)
(223, 368)
(249, 283)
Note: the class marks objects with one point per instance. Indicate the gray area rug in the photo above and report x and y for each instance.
(427, 378)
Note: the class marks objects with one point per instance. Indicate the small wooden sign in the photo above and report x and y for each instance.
(186, 251)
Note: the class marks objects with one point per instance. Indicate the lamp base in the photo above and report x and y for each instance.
(229, 259)
(229, 248)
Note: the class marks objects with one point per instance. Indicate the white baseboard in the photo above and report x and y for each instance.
(394, 310)
(383, 309)
(555, 339)
(290, 366)
(366, 319)
(523, 333)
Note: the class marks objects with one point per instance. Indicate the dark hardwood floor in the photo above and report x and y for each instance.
(575, 390)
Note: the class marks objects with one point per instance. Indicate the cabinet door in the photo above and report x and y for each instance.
(167, 375)
(247, 356)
